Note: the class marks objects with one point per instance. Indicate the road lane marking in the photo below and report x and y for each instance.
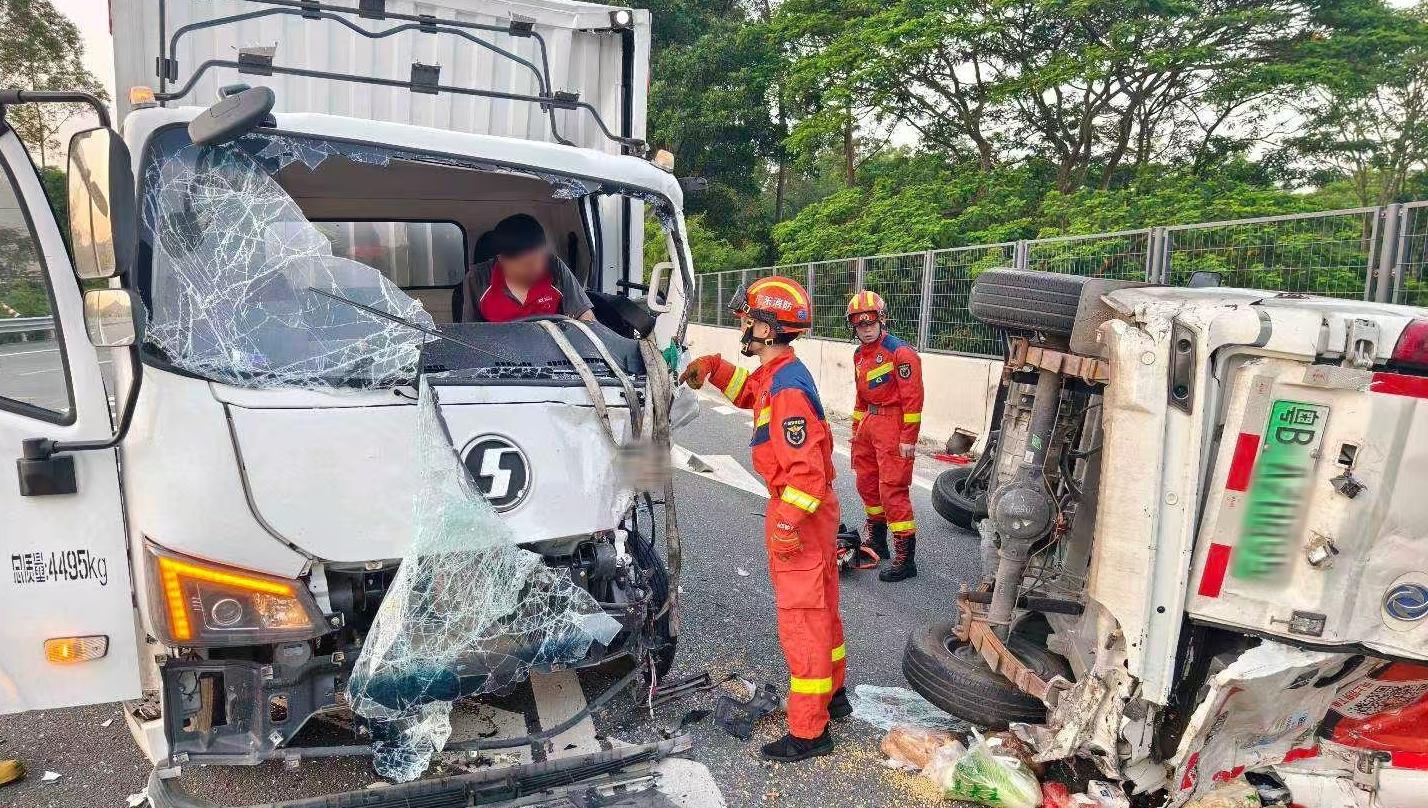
(719, 468)
(558, 697)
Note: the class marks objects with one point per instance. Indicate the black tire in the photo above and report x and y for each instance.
(951, 501)
(953, 676)
(1025, 300)
(649, 559)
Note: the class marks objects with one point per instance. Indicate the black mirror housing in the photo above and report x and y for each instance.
(232, 117)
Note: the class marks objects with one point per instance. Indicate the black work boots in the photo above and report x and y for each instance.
(791, 748)
(903, 564)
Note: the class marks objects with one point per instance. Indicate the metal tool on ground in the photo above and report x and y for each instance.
(738, 717)
(673, 689)
(852, 553)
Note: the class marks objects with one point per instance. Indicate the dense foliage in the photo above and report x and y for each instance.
(834, 128)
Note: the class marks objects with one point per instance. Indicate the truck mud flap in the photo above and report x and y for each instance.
(496, 787)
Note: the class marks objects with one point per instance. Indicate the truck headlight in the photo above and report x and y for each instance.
(202, 604)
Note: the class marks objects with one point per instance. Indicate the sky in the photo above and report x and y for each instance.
(92, 17)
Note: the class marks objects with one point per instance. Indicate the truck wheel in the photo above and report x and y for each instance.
(952, 502)
(952, 675)
(1026, 300)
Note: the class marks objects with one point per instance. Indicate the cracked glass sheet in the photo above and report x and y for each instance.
(235, 263)
(235, 260)
(281, 151)
(469, 612)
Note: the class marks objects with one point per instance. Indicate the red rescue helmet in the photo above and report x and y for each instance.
(778, 302)
(866, 307)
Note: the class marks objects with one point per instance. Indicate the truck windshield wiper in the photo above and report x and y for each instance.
(408, 323)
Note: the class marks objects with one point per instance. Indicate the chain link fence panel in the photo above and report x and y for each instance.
(1411, 270)
(952, 327)
(1121, 256)
(1329, 254)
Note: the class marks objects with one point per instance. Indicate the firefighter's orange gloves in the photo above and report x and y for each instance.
(699, 370)
(784, 541)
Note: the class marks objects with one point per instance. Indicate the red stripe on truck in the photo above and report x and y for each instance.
(1397, 384)
(1242, 464)
(1217, 562)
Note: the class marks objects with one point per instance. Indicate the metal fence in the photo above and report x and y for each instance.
(1374, 253)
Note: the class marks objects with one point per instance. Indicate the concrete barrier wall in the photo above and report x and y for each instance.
(960, 389)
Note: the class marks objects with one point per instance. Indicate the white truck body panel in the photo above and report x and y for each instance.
(1145, 528)
(584, 56)
(66, 571)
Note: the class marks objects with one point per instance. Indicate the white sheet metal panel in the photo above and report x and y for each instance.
(583, 53)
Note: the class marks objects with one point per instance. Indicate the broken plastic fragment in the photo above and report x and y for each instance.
(469, 612)
(888, 707)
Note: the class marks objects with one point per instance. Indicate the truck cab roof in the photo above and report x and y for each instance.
(515, 152)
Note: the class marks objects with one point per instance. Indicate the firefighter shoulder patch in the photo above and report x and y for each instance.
(795, 430)
(904, 371)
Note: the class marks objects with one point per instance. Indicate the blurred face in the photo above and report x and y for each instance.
(868, 331)
(526, 268)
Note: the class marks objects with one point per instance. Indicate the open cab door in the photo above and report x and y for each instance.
(67, 619)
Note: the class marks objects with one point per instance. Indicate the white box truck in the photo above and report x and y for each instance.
(278, 282)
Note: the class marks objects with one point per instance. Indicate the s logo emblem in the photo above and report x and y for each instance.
(1407, 602)
(500, 470)
(904, 371)
(795, 430)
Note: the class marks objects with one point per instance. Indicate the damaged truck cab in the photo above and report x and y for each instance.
(227, 498)
(1192, 497)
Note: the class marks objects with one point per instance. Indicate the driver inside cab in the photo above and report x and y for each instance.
(525, 279)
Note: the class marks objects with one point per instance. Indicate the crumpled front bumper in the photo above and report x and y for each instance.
(504, 786)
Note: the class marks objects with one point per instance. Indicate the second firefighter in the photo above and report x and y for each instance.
(887, 416)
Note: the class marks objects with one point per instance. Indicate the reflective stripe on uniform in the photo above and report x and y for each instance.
(912, 418)
(765, 415)
(736, 383)
(840, 652)
(812, 687)
(902, 527)
(799, 499)
(858, 415)
(880, 371)
(873, 510)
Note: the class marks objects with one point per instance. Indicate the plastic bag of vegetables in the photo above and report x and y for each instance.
(985, 774)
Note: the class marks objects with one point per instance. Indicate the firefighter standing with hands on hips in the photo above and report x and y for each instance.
(793, 452)
(887, 416)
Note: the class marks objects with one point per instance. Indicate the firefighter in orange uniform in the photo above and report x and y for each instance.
(793, 452)
(887, 416)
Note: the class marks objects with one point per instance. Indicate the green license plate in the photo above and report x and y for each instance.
(1274, 508)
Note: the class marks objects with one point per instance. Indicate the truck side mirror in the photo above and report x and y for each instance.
(113, 318)
(232, 117)
(102, 216)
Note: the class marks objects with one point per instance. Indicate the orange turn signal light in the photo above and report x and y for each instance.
(172, 570)
(73, 650)
(141, 97)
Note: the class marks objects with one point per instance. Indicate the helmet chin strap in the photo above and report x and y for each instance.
(748, 340)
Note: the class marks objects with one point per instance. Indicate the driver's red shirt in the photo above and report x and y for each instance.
(499, 305)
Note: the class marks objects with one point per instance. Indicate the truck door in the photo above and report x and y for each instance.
(67, 619)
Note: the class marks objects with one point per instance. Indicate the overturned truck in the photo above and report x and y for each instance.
(1204, 538)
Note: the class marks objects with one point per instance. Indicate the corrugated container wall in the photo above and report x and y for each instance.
(584, 55)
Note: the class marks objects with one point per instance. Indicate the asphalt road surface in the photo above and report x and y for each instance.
(728, 628)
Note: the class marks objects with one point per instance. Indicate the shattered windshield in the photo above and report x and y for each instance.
(243, 289)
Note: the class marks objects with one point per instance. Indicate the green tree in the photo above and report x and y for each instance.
(1367, 118)
(41, 49)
